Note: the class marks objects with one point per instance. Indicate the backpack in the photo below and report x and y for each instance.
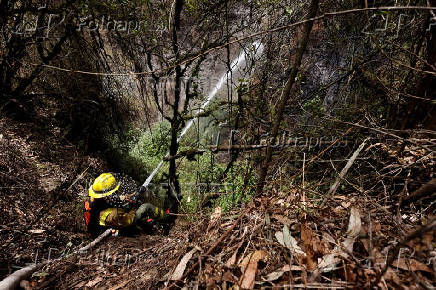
(92, 215)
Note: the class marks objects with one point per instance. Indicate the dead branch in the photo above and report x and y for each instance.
(427, 189)
(431, 225)
(236, 147)
(190, 154)
(211, 249)
(238, 40)
(94, 242)
(287, 93)
(344, 171)
(13, 280)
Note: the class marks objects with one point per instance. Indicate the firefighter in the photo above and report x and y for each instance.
(114, 203)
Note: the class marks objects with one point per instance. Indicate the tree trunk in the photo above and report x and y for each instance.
(176, 121)
(287, 94)
(421, 112)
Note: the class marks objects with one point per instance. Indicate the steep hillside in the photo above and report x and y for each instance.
(43, 181)
(289, 144)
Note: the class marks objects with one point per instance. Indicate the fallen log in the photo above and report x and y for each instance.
(13, 280)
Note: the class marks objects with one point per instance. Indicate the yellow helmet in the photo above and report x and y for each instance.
(104, 185)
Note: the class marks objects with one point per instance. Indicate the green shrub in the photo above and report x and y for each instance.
(138, 152)
(241, 182)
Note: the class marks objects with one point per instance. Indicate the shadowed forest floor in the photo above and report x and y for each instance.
(276, 240)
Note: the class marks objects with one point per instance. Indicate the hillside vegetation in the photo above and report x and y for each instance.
(300, 136)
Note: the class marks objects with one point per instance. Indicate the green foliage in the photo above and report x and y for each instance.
(195, 176)
(200, 170)
(152, 144)
(190, 202)
(238, 187)
(315, 106)
(193, 7)
(242, 87)
(241, 182)
(138, 152)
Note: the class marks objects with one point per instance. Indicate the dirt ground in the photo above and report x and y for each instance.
(43, 179)
(278, 240)
(271, 244)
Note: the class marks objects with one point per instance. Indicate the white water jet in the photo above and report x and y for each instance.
(236, 64)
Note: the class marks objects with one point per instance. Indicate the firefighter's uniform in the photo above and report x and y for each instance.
(112, 203)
